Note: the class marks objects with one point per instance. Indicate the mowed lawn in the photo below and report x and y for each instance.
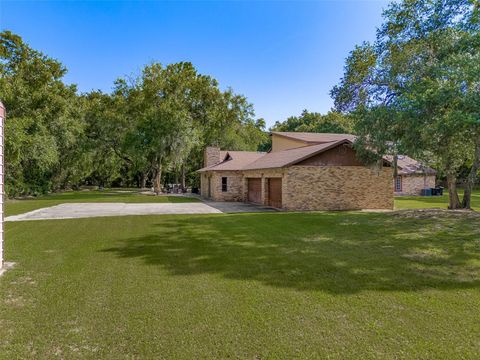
(14, 207)
(339, 285)
(441, 202)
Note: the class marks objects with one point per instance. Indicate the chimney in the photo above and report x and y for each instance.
(211, 156)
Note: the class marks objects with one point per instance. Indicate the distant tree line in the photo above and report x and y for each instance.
(151, 129)
(332, 122)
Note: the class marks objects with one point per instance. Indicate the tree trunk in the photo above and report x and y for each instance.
(472, 176)
(395, 166)
(183, 178)
(453, 199)
(157, 180)
(143, 180)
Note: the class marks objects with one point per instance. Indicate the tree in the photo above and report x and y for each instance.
(332, 122)
(164, 132)
(416, 90)
(157, 123)
(183, 111)
(44, 122)
(105, 133)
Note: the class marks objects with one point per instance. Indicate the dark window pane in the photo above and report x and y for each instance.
(224, 184)
(398, 184)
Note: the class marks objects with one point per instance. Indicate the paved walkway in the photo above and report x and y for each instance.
(85, 210)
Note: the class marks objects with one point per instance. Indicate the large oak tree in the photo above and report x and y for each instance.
(416, 90)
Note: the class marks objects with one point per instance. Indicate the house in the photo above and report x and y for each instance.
(412, 176)
(303, 171)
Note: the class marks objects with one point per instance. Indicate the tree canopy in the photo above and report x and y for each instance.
(416, 89)
(43, 124)
(148, 129)
(332, 122)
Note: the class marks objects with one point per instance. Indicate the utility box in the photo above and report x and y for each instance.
(426, 192)
(2, 186)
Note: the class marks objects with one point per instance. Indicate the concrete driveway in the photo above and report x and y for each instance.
(85, 210)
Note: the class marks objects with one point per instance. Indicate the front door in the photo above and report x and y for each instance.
(255, 190)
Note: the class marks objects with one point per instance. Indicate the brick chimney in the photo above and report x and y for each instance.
(211, 156)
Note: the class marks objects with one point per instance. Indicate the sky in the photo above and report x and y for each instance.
(284, 56)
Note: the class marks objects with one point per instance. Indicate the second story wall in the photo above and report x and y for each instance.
(280, 143)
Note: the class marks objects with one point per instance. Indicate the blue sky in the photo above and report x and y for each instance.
(284, 56)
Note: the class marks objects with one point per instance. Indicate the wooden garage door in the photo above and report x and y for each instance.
(275, 192)
(255, 190)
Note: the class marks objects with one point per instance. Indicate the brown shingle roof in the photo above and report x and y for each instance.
(315, 137)
(284, 158)
(315, 144)
(234, 160)
(246, 160)
(408, 166)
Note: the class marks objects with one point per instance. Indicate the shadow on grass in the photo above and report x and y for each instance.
(340, 253)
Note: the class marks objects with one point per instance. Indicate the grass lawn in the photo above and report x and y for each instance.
(420, 202)
(14, 207)
(272, 285)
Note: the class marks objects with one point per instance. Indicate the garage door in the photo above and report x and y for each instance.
(275, 192)
(255, 190)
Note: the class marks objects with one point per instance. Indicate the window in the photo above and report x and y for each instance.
(398, 184)
(224, 184)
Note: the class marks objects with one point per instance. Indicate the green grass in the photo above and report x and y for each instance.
(440, 202)
(272, 285)
(14, 207)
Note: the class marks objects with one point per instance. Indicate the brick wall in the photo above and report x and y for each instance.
(204, 184)
(311, 187)
(211, 156)
(413, 184)
(234, 185)
(337, 188)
